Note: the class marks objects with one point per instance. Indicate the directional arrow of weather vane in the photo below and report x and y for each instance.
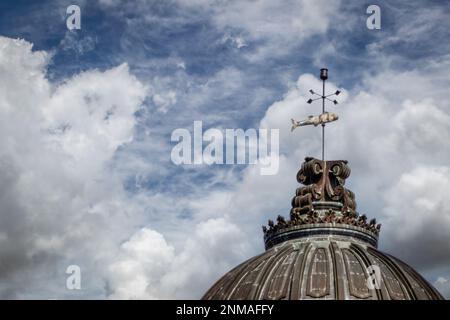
(325, 117)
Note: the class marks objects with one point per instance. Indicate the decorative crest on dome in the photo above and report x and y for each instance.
(324, 181)
(323, 205)
(323, 199)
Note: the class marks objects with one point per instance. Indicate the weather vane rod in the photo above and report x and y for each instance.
(325, 117)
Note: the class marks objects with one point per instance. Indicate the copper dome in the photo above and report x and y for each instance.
(326, 250)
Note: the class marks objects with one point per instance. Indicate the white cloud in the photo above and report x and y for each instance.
(412, 27)
(164, 100)
(145, 258)
(442, 284)
(236, 41)
(264, 19)
(80, 45)
(418, 215)
(278, 26)
(213, 246)
(60, 202)
(268, 28)
(149, 268)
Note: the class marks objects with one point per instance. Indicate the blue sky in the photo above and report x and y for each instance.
(230, 64)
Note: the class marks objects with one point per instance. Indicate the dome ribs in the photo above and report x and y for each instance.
(321, 268)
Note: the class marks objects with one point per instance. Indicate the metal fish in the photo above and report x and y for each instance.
(315, 120)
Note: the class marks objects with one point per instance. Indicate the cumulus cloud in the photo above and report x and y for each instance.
(145, 259)
(149, 268)
(60, 203)
(418, 215)
(63, 204)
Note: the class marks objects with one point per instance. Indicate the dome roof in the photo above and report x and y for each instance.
(326, 250)
(321, 268)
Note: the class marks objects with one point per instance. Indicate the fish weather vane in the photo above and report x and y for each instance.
(323, 118)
